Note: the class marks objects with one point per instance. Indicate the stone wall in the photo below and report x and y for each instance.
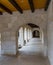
(13, 22)
(8, 45)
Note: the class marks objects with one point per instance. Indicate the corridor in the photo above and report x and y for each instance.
(26, 32)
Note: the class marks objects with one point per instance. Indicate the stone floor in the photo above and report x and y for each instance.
(24, 60)
(26, 56)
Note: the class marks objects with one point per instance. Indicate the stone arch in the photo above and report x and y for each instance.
(41, 31)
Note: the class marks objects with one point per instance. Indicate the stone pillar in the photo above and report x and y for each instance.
(8, 43)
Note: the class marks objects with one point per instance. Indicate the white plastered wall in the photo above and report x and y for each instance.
(50, 33)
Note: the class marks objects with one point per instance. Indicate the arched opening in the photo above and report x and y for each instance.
(36, 34)
(24, 35)
(30, 39)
